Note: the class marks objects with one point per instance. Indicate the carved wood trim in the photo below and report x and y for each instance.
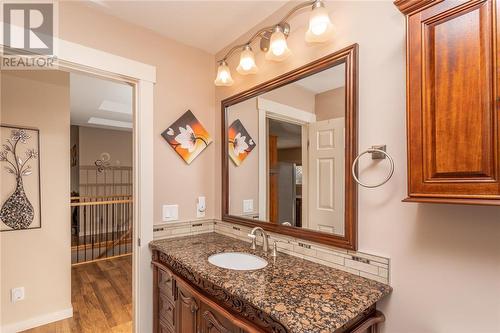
(189, 301)
(213, 322)
(251, 313)
(408, 7)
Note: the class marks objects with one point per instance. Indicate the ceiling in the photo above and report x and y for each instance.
(100, 103)
(207, 25)
(323, 81)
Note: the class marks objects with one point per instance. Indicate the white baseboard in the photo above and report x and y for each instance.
(37, 321)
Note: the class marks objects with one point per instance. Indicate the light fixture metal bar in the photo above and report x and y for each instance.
(269, 29)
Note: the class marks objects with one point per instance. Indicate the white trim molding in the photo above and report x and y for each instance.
(103, 61)
(38, 321)
(285, 112)
(143, 77)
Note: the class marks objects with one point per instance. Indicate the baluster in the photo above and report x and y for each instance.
(85, 232)
(107, 231)
(77, 230)
(120, 232)
(92, 218)
(113, 226)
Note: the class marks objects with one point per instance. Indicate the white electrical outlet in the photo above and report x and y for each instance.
(170, 213)
(248, 206)
(201, 207)
(17, 294)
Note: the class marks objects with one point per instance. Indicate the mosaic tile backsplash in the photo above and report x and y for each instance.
(358, 263)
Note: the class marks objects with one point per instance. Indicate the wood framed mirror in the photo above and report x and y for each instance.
(288, 147)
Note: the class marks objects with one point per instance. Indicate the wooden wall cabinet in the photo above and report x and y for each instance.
(453, 101)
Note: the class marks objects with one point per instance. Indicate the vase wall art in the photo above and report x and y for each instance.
(240, 142)
(187, 137)
(20, 178)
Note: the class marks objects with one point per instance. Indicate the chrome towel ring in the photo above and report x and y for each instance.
(377, 152)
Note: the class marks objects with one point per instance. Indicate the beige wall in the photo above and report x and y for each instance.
(294, 96)
(184, 81)
(445, 259)
(330, 104)
(39, 259)
(95, 141)
(244, 179)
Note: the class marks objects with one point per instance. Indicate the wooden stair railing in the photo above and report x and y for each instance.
(127, 237)
(101, 227)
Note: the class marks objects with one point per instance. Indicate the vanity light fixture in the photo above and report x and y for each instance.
(223, 75)
(273, 41)
(247, 62)
(278, 48)
(320, 27)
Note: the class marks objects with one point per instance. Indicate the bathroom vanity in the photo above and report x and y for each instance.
(290, 294)
(297, 182)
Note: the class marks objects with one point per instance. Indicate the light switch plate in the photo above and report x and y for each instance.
(201, 207)
(170, 213)
(248, 206)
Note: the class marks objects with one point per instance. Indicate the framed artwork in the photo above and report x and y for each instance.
(187, 137)
(240, 142)
(20, 200)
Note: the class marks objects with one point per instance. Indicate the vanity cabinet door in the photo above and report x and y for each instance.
(187, 307)
(453, 106)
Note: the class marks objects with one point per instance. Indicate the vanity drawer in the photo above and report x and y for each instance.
(166, 310)
(166, 283)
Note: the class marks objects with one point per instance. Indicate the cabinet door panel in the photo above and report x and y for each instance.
(453, 109)
(187, 307)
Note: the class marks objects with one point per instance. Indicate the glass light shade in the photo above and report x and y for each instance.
(320, 27)
(278, 48)
(247, 62)
(223, 75)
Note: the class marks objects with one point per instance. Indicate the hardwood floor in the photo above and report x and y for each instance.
(102, 299)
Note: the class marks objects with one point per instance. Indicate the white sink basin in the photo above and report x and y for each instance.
(238, 261)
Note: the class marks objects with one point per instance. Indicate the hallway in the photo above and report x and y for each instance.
(101, 297)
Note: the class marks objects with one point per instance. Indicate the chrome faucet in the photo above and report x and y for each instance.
(265, 244)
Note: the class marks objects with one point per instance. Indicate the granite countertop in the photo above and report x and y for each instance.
(301, 295)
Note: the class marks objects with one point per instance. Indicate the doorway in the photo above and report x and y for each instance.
(77, 58)
(285, 170)
(101, 201)
(100, 164)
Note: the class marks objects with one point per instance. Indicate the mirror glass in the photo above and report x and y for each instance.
(287, 154)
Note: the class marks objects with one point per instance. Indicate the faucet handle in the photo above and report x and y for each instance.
(275, 248)
(254, 241)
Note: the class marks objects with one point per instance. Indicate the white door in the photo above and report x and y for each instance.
(326, 176)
